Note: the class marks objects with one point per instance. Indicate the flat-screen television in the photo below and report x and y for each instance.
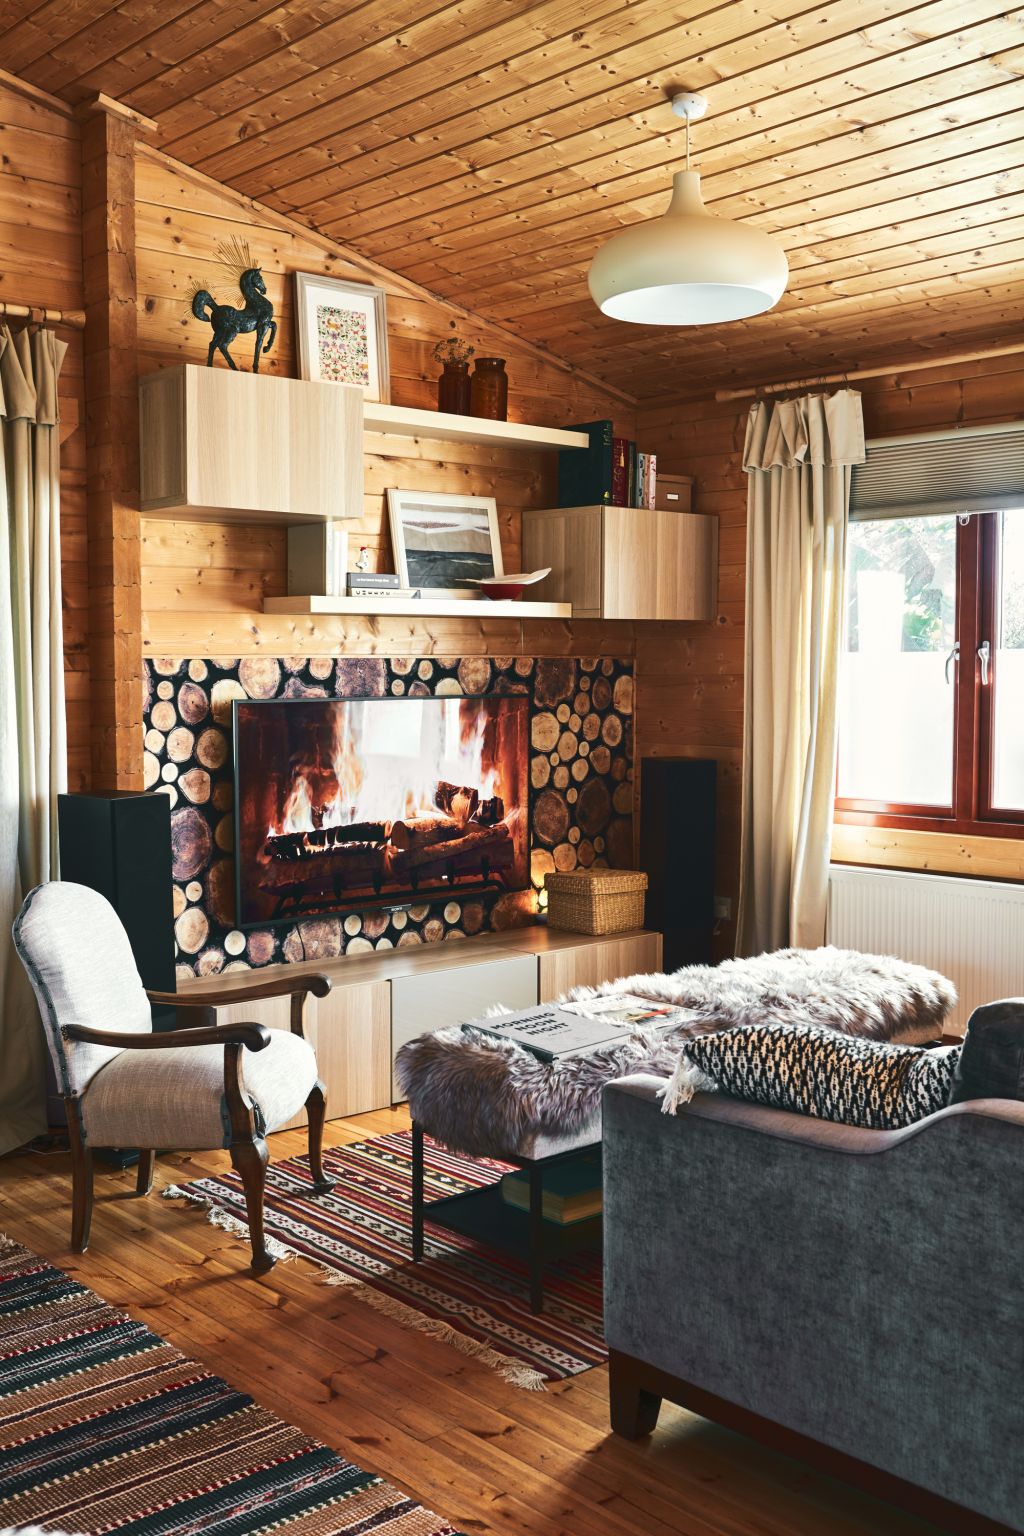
(343, 804)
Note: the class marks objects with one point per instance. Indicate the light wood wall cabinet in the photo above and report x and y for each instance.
(241, 447)
(625, 562)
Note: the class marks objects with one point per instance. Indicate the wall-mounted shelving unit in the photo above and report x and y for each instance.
(418, 608)
(405, 421)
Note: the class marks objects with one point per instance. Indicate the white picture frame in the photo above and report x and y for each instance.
(342, 333)
(442, 541)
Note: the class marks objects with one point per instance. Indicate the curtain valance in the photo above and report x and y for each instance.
(814, 429)
(29, 368)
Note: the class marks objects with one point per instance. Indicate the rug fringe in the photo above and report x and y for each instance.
(512, 1371)
(226, 1222)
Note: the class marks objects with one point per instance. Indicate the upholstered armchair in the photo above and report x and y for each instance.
(197, 1087)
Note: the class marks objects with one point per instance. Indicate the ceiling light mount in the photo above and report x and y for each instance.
(688, 267)
(689, 105)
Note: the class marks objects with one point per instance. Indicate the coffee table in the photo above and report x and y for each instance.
(483, 1214)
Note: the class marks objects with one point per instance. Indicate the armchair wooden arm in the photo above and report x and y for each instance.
(255, 1037)
(195, 1006)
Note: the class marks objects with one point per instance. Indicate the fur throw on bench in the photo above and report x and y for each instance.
(488, 1098)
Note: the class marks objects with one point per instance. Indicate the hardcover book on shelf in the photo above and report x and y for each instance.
(620, 471)
(372, 581)
(552, 1032)
(585, 474)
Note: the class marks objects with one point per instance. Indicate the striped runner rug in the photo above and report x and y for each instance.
(474, 1297)
(105, 1428)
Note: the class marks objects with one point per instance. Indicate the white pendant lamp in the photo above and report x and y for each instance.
(688, 267)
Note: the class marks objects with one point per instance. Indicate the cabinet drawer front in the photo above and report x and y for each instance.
(440, 998)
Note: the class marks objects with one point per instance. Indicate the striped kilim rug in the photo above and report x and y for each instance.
(474, 1297)
(105, 1428)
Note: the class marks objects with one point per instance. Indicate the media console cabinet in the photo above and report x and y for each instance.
(379, 1001)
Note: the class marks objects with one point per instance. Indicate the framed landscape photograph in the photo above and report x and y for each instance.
(444, 542)
(342, 333)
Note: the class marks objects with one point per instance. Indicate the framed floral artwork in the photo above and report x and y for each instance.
(342, 333)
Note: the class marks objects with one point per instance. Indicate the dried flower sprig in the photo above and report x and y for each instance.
(452, 349)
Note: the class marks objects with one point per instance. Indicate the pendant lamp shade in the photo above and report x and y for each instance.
(688, 267)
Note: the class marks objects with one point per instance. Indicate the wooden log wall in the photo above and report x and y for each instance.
(203, 584)
(41, 263)
(690, 676)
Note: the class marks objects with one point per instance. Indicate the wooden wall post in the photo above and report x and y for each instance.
(112, 434)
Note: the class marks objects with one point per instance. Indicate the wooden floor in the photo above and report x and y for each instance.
(490, 1457)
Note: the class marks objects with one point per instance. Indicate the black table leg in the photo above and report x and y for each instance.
(417, 1191)
(536, 1238)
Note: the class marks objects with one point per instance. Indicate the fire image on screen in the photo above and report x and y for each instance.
(348, 803)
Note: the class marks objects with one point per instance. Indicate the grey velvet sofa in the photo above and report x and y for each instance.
(852, 1297)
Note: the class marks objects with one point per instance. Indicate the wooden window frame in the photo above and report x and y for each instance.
(971, 813)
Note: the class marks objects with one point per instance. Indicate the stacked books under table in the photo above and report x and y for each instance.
(572, 1191)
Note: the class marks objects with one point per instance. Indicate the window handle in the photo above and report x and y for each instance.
(984, 656)
(954, 656)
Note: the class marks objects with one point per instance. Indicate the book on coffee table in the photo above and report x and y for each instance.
(554, 1031)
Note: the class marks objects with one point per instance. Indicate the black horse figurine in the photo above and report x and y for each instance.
(228, 322)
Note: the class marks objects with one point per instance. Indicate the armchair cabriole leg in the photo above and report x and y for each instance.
(316, 1111)
(249, 1160)
(81, 1180)
(144, 1182)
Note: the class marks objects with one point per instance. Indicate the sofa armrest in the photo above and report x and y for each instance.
(829, 1135)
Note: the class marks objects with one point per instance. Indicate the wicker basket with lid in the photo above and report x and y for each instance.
(596, 900)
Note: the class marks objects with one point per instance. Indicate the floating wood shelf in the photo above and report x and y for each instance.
(418, 607)
(405, 421)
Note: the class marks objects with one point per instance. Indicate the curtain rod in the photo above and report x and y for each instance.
(917, 366)
(73, 318)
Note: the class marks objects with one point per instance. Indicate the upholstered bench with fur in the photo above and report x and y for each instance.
(489, 1098)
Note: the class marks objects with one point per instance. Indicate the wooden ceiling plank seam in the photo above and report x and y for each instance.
(26, 31)
(838, 351)
(531, 240)
(598, 201)
(496, 298)
(127, 21)
(525, 14)
(574, 258)
(1010, 262)
(714, 141)
(850, 149)
(811, 295)
(735, 81)
(154, 57)
(646, 53)
(223, 74)
(865, 240)
(373, 269)
(793, 134)
(922, 156)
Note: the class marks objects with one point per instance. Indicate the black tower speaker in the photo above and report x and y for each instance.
(677, 850)
(120, 845)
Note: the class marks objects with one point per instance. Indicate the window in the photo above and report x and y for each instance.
(931, 703)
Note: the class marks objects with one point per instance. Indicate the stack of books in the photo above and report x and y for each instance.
(610, 471)
(572, 1190)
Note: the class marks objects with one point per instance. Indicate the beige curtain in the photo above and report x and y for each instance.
(33, 757)
(798, 457)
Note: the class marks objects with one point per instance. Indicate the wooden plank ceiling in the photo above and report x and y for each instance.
(486, 147)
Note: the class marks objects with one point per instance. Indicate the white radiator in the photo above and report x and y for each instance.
(970, 930)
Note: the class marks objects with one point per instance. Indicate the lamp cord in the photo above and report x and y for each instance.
(687, 143)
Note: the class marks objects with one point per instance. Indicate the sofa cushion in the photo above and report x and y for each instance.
(817, 1072)
(991, 1064)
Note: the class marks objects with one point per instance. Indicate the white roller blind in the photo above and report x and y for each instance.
(978, 469)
